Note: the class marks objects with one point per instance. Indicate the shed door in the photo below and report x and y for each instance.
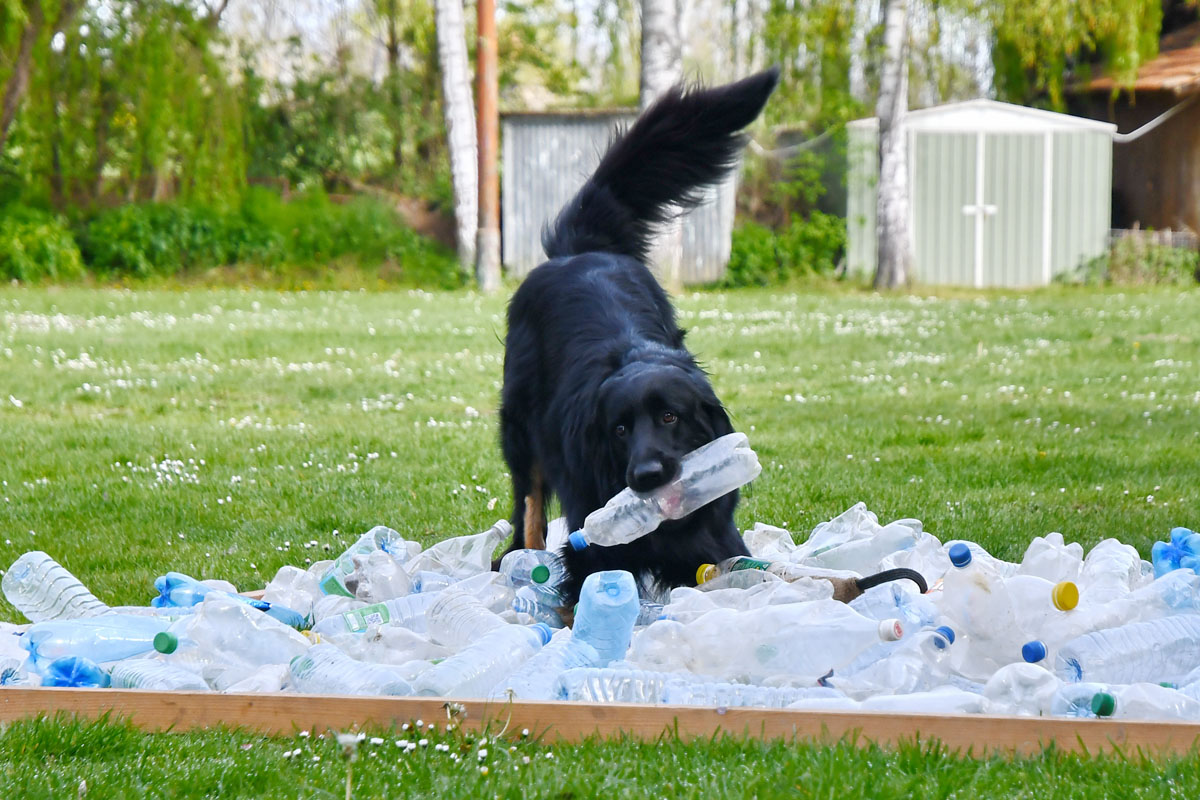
(944, 182)
(1014, 198)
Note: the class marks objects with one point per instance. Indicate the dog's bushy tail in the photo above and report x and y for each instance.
(687, 140)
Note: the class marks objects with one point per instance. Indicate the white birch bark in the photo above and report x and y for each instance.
(662, 68)
(459, 112)
(894, 267)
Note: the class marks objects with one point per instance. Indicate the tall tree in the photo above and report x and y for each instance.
(894, 267)
(662, 68)
(34, 14)
(460, 124)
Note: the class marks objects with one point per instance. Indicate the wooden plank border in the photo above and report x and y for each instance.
(283, 714)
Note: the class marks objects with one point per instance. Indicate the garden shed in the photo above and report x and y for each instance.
(1001, 195)
(546, 157)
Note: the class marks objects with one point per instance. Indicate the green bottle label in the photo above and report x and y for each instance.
(750, 563)
(359, 619)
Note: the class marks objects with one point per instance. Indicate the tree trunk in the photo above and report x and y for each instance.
(487, 98)
(393, 82)
(894, 266)
(18, 81)
(662, 68)
(460, 124)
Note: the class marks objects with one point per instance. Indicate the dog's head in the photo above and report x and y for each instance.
(651, 415)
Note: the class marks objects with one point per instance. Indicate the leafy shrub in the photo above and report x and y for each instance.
(163, 238)
(36, 246)
(1132, 261)
(760, 256)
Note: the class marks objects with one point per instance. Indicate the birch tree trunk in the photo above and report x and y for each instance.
(662, 68)
(894, 267)
(459, 112)
(18, 80)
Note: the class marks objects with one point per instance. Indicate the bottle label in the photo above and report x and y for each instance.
(749, 563)
(359, 619)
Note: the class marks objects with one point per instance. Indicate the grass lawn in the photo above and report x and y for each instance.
(226, 433)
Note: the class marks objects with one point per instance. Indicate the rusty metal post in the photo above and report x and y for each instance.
(487, 254)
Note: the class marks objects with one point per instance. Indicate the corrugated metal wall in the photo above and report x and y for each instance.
(1030, 179)
(547, 157)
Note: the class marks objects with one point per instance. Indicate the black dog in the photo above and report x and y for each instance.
(599, 391)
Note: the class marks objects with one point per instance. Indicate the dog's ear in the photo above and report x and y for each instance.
(714, 412)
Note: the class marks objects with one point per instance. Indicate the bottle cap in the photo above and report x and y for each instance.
(890, 630)
(543, 630)
(166, 642)
(578, 540)
(702, 575)
(960, 554)
(1033, 652)
(540, 573)
(946, 631)
(1065, 595)
(1103, 704)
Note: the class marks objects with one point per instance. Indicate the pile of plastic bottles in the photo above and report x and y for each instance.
(1106, 635)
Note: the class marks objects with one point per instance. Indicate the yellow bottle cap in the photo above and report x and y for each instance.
(706, 572)
(1065, 595)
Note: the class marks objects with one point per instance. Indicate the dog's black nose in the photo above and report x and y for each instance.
(648, 475)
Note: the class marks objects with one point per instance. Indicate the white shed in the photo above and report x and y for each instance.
(1001, 195)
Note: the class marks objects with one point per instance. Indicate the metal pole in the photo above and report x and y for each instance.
(487, 254)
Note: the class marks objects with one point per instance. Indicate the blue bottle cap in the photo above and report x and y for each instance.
(946, 631)
(1033, 652)
(543, 630)
(578, 540)
(960, 554)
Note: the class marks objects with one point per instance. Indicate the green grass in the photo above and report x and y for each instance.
(220, 433)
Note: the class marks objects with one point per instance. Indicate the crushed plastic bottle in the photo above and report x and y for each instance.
(1021, 689)
(324, 669)
(176, 590)
(1050, 557)
(608, 608)
(1148, 701)
(408, 611)
(1165, 649)
(155, 675)
(43, 590)
(621, 685)
(462, 556)
(1180, 551)
(537, 678)
(341, 578)
(537, 568)
(76, 671)
(917, 663)
(705, 474)
(480, 665)
(457, 619)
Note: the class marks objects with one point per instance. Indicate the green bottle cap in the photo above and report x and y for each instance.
(166, 642)
(540, 573)
(1103, 704)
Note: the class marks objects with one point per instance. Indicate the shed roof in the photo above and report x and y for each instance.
(1176, 69)
(992, 116)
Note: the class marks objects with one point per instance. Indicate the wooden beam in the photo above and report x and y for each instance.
(283, 714)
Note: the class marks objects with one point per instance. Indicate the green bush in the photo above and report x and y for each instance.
(760, 256)
(1132, 261)
(163, 238)
(35, 246)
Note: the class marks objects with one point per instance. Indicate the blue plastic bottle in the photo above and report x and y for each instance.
(75, 671)
(608, 608)
(177, 589)
(1181, 551)
(110, 637)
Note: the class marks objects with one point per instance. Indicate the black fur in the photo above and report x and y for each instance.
(592, 343)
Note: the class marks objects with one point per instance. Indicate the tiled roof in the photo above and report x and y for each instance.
(1176, 69)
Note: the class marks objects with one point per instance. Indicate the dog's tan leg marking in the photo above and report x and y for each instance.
(535, 514)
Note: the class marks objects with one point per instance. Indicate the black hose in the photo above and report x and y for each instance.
(897, 574)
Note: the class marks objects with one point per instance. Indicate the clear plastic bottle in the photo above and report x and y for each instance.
(425, 581)
(528, 601)
(709, 472)
(622, 685)
(1180, 551)
(1021, 689)
(977, 602)
(537, 678)
(649, 612)
(917, 663)
(478, 667)
(152, 674)
(408, 611)
(1075, 700)
(608, 608)
(1110, 571)
(781, 569)
(456, 619)
(76, 671)
(1149, 701)
(1165, 649)
(178, 590)
(462, 556)
(224, 629)
(539, 568)
(897, 600)
(106, 638)
(325, 669)
(1050, 557)
(380, 537)
(42, 589)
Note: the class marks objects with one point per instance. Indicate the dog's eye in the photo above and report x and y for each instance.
(668, 417)
(620, 431)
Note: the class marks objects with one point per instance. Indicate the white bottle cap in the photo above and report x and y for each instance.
(890, 630)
